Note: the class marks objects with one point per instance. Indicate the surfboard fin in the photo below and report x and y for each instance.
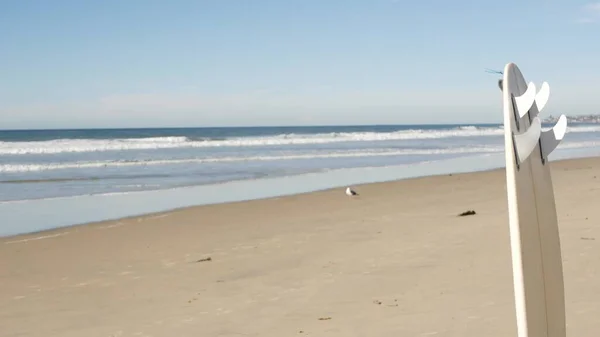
(542, 96)
(525, 101)
(525, 142)
(550, 139)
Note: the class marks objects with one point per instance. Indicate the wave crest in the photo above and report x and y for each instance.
(152, 143)
(14, 168)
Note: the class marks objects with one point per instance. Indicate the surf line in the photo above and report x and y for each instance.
(534, 237)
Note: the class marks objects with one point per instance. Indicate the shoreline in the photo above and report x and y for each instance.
(150, 215)
(88, 209)
(26, 236)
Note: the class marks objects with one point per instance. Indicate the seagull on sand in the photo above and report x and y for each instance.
(350, 192)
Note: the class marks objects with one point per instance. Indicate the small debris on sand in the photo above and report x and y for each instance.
(324, 318)
(205, 259)
(469, 212)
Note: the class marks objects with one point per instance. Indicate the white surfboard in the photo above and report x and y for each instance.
(534, 236)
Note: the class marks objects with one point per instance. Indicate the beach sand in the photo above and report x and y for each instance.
(394, 261)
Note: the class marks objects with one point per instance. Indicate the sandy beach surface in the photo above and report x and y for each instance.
(394, 261)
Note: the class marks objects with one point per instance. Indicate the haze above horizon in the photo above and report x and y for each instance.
(136, 64)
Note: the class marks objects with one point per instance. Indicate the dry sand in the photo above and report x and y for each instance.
(395, 261)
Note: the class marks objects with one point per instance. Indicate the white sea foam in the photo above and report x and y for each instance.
(33, 167)
(98, 145)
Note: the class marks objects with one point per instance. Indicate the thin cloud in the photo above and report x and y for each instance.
(593, 7)
(591, 13)
(585, 20)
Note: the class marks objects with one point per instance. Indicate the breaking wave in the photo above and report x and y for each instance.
(12, 168)
(152, 143)
(99, 145)
(37, 167)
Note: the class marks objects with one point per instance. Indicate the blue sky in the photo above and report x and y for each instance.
(150, 63)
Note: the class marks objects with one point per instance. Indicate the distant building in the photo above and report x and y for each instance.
(595, 118)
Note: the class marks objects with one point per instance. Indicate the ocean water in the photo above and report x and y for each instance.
(62, 163)
(52, 178)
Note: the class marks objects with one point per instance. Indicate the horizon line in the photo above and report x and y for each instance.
(242, 126)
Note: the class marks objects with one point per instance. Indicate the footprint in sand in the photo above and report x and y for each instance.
(167, 263)
(36, 287)
(222, 311)
(246, 247)
(84, 284)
